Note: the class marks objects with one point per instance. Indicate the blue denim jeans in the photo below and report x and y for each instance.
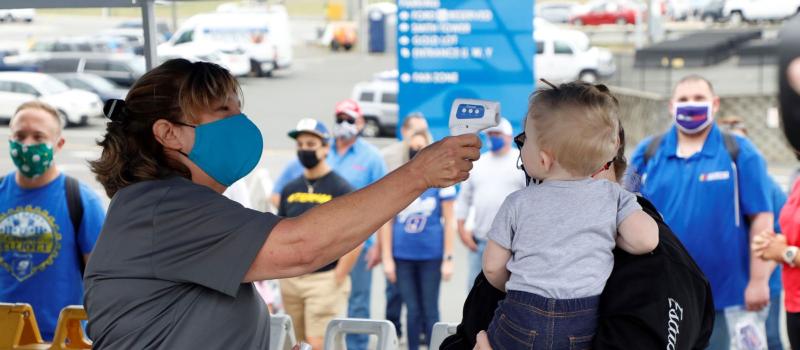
(394, 307)
(720, 340)
(475, 262)
(418, 282)
(529, 321)
(774, 324)
(358, 304)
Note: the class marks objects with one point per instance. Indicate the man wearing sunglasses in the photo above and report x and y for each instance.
(485, 191)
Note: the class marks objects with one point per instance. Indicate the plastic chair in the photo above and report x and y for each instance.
(18, 328)
(69, 330)
(281, 332)
(338, 328)
(441, 330)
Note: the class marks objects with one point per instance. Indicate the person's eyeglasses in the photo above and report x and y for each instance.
(519, 140)
(345, 118)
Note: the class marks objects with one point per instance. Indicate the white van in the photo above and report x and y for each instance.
(263, 35)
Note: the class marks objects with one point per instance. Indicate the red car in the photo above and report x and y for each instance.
(606, 12)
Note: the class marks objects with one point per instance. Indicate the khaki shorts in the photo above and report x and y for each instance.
(313, 301)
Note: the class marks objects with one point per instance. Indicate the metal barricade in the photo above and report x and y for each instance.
(281, 333)
(441, 330)
(339, 328)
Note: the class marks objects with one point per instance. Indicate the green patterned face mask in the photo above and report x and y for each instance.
(31, 160)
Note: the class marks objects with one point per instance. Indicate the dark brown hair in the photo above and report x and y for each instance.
(174, 91)
(577, 123)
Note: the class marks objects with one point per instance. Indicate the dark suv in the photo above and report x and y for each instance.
(121, 69)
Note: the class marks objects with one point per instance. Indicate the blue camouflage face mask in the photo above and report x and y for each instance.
(227, 149)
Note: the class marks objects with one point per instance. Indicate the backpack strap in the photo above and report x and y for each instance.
(731, 145)
(75, 208)
(728, 139)
(652, 148)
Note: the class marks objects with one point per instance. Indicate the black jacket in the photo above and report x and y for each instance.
(649, 302)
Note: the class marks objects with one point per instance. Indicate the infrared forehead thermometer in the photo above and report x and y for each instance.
(472, 116)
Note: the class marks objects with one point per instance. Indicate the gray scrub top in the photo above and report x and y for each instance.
(167, 271)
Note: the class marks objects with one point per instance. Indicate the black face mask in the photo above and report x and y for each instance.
(412, 153)
(308, 158)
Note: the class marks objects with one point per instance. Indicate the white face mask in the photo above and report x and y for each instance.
(344, 130)
(692, 117)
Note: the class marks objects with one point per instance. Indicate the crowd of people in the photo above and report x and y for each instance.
(175, 258)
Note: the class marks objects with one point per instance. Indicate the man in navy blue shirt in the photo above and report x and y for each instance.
(713, 202)
(41, 253)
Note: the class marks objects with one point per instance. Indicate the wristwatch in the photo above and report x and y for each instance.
(790, 254)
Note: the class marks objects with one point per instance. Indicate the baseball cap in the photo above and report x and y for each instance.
(349, 107)
(504, 127)
(311, 126)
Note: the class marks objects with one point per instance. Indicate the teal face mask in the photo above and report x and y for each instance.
(227, 149)
(31, 160)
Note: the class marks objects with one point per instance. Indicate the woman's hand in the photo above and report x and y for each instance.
(774, 249)
(769, 246)
(389, 270)
(760, 242)
(447, 269)
(446, 162)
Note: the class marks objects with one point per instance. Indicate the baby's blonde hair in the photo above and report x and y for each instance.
(577, 124)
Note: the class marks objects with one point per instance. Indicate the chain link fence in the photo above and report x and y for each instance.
(734, 76)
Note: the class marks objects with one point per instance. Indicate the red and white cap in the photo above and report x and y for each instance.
(349, 107)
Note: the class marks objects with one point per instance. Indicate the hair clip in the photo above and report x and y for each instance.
(549, 83)
(113, 109)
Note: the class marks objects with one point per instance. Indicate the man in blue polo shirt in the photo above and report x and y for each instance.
(712, 202)
(360, 164)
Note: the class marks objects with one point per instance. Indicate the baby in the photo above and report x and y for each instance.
(551, 244)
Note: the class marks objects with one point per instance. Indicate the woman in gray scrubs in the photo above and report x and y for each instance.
(173, 265)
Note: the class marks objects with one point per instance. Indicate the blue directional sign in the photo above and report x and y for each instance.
(479, 49)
